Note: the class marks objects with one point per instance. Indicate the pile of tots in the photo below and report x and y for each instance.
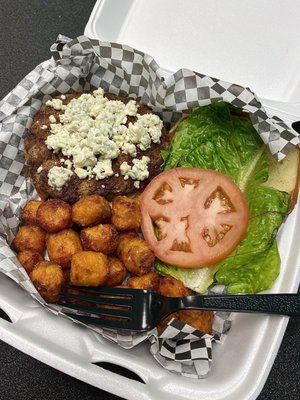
(93, 243)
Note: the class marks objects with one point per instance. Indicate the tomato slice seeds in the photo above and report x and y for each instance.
(193, 217)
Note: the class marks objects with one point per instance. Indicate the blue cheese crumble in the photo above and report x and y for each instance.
(93, 130)
(58, 177)
(138, 171)
(57, 104)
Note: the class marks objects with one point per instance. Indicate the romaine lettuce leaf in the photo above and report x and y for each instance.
(219, 137)
(197, 279)
(253, 274)
(255, 263)
(212, 137)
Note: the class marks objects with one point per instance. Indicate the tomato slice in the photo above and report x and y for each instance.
(193, 217)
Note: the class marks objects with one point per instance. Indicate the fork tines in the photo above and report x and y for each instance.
(101, 306)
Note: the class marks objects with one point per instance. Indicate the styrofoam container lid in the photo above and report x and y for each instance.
(252, 43)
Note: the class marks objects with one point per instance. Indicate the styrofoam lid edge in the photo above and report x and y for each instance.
(288, 112)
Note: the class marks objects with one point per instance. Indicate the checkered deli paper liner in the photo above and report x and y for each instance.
(81, 65)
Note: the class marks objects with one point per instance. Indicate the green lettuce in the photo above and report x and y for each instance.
(219, 137)
(264, 266)
(255, 263)
(197, 279)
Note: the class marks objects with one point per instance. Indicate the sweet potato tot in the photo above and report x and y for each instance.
(149, 281)
(30, 238)
(54, 215)
(102, 237)
(48, 278)
(163, 324)
(89, 268)
(126, 213)
(198, 319)
(122, 286)
(28, 259)
(28, 214)
(171, 287)
(135, 253)
(117, 272)
(91, 210)
(62, 245)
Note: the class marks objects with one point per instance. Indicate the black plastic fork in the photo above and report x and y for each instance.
(141, 310)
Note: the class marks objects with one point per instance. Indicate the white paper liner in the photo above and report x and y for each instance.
(81, 65)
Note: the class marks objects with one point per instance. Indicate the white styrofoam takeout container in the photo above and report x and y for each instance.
(216, 40)
(253, 43)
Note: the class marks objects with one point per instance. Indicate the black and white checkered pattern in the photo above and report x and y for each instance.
(186, 351)
(183, 350)
(83, 64)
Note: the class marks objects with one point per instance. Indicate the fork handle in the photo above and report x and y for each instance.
(284, 304)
